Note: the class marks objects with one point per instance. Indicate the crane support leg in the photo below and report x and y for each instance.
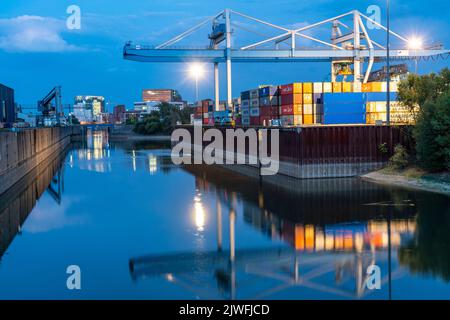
(216, 86)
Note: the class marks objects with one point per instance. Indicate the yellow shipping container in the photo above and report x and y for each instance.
(309, 237)
(307, 98)
(347, 86)
(307, 87)
(337, 86)
(308, 109)
(379, 86)
(297, 87)
(308, 119)
(327, 87)
(317, 87)
(374, 87)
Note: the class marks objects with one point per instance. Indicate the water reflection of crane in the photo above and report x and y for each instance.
(327, 250)
(56, 186)
(281, 264)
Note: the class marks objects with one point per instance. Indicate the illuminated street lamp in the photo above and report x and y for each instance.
(196, 71)
(415, 43)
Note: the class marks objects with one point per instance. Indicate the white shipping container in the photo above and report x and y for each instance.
(318, 87)
(307, 109)
(327, 87)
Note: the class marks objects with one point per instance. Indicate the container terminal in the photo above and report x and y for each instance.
(356, 94)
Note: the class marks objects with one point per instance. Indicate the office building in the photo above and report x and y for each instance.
(161, 95)
(7, 106)
(89, 108)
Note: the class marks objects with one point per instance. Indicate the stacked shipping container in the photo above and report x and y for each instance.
(245, 108)
(291, 104)
(269, 101)
(321, 102)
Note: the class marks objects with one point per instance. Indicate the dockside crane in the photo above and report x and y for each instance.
(51, 107)
(350, 48)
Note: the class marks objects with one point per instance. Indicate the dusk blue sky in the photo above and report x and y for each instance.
(37, 51)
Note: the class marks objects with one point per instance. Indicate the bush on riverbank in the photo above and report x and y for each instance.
(163, 121)
(400, 159)
(432, 130)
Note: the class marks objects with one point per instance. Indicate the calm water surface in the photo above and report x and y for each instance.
(140, 227)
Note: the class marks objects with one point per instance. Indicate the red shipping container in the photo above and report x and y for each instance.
(264, 111)
(254, 121)
(268, 112)
(287, 110)
(291, 88)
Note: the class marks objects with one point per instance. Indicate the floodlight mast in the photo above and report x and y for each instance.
(343, 49)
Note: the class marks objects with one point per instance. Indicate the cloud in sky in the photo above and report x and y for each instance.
(29, 33)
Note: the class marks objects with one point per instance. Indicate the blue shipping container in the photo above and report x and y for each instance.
(379, 96)
(344, 108)
(245, 95)
(345, 97)
(342, 118)
(268, 91)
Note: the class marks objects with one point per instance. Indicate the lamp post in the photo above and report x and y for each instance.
(196, 71)
(388, 65)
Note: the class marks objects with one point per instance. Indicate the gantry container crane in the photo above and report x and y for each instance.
(351, 46)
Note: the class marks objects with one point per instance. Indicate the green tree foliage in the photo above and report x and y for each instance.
(432, 134)
(400, 158)
(432, 131)
(428, 252)
(164, 120)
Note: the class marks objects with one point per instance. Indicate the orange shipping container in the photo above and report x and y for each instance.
(299, 237)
